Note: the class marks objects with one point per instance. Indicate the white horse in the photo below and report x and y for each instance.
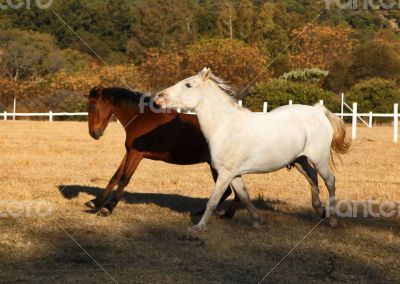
(243, 142)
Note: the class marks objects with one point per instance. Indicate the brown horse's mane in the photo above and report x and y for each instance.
(118, 96)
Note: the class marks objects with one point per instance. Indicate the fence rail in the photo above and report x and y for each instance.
(354, 115)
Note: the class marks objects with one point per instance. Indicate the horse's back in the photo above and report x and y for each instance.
(281, 135)
(315, 126)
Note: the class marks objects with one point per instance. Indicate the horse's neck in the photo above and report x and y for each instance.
(124, 113)
(216, 111)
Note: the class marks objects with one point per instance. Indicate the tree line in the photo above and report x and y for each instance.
(160, 42)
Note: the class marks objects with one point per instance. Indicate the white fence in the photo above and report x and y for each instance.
(353, 114)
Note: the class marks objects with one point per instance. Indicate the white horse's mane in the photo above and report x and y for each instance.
(223, 85)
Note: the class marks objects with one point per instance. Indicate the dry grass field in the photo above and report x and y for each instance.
(146, 239)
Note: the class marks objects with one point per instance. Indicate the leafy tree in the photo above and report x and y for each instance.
(264, 22)
(161, 69)
(163, 24)
(206, 17)
(227, 16)
(233, 60)
(375, 60)
(245, 21)
(29, 54)
(272, 38)
(320, 47)
(339, 78)
(96, 44)
(368, 60)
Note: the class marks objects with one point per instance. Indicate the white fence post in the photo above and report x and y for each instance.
(240, 103)
(178, 110)
(290, 102)
(5, 115)
(14, 108)
(50, 116)
(396, 123)
(265, 108)
(354, 123)
(321, 102)
(342, 106)
(370, 120)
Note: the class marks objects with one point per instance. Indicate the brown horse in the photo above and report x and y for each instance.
(172, 137)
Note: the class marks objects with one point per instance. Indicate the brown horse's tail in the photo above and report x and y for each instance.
(340, 142)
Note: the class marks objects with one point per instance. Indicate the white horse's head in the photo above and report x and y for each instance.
(185, 94)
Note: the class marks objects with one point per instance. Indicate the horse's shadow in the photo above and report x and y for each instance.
(195, 205)
(175, 202)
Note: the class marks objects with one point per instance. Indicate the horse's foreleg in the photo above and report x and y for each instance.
(132, 161)
(220, 186)
(107, 192)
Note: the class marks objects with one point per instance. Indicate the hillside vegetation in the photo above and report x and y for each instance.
(154, 43)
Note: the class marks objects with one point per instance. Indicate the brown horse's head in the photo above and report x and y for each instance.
(99, 111)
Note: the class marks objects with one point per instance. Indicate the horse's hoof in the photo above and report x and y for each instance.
(225, 216)
(228, 215)
(104, 212)
(198, 213)
(90, 204)
(257, 225)
(321, 212)
(261, 220)
(197, 229)
(333, 223)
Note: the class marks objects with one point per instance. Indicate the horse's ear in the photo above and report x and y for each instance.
(206, 73)
(96, 92)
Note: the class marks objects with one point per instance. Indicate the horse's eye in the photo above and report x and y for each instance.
(92, 107)
(188, 85)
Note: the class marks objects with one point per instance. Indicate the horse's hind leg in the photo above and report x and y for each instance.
(241, 191)
(107, 192)
(230, 212)
(329, 179)
(311, 174)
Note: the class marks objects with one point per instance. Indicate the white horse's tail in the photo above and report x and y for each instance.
(340, 142)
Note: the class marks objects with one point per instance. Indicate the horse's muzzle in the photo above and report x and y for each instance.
(160, 99)
(96, 134)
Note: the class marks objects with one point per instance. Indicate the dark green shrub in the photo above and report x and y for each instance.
(376, 95)
(278, 92)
